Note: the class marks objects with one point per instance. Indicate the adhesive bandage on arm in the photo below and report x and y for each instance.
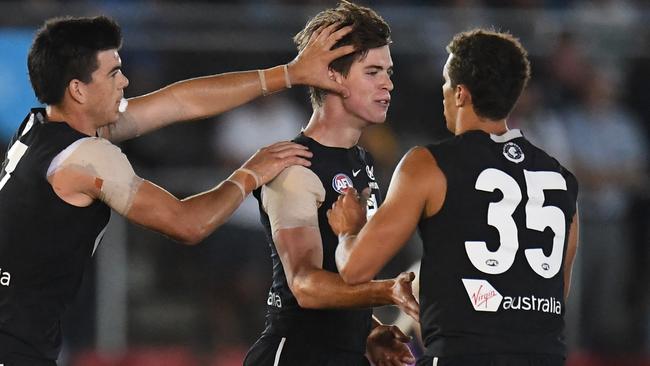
(104, 161)
(292, 199)
(245, 179)
(274, 79)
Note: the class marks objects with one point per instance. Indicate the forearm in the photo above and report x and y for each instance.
(209, 210)
(347, 272)
(194, 99)
(321, 289)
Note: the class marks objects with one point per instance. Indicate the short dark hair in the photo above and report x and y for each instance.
(65, 49)
(494, 67)
(370, 31)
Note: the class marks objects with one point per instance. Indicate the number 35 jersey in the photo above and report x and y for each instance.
(492, 274)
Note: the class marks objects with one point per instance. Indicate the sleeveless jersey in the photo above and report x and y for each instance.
(492, 269)
(44, 242)
(337, 169)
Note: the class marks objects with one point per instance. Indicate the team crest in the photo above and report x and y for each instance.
(513, 152)
(341, 182)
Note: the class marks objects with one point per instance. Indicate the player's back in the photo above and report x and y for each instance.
(492, 270)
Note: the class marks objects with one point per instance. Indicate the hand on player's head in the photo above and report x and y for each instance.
(311, 66)
(269, 161)
(348, 214)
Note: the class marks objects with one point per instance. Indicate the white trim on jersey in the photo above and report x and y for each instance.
(97, 240)
(278, 353)
(435, 361)
(509, 135)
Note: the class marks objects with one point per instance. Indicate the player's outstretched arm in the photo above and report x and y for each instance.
(417, 189)
(211, 95)
(107, 175)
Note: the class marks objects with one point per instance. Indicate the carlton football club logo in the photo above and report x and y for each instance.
(341, 182)
(513, 152)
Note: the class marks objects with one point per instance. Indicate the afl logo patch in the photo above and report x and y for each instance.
(341, 182)
(513, 152)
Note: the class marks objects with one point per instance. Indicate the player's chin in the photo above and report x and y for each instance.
(379, 119)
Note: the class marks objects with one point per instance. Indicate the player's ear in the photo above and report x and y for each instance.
(335, 75)
(462, 96)
(77, 91)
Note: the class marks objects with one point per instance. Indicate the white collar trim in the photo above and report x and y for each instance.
(509, 135)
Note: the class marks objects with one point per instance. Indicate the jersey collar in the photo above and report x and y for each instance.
(509, 135)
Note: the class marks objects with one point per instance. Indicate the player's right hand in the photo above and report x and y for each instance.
(311, 66)
(269, 161)
(402, 294)
(348, 214)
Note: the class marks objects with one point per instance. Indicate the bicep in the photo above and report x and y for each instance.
(300, 249)
(291, 202)
(144, 114)
(156, 209)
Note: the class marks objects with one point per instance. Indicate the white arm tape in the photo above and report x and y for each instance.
(292, 199)
(101, 159)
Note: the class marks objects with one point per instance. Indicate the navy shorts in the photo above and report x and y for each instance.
(493, 360)
(287, 351)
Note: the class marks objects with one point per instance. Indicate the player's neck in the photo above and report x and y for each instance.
(471, 122)
(331, 127)
(76, 120)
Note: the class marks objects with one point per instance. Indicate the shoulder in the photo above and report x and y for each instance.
(295, 179)
(418, 157)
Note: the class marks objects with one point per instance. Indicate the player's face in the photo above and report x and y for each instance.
(370, 86)
(106, 89)
(448, 100)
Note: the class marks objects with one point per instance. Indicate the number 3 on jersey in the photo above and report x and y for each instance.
(538, 217)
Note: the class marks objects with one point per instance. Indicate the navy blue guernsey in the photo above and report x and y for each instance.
(44, 242)
(346, 330)
(493, 262)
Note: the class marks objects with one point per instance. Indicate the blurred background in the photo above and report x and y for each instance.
(149, 301)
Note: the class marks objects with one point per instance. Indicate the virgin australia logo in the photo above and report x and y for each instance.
(482, 295)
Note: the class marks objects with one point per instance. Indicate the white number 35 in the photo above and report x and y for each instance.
(538, 217)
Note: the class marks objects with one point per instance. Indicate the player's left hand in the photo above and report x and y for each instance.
(311, 66)
(348, 214)
(387, 346)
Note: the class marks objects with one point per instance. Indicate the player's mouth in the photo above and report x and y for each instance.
(385, 102)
